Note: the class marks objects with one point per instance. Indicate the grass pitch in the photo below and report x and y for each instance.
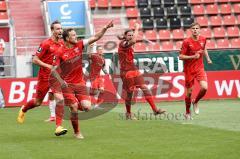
(213, 134)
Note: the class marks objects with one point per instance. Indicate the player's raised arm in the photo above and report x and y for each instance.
(100, 34)
(135, 34)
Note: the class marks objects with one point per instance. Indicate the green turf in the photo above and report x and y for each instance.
(213, 134)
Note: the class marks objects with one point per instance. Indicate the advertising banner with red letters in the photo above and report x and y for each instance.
(164, 87)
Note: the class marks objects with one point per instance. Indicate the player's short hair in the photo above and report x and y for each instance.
(99, 46)
(66, 32)
(121, 37)
(194, 24)
(53, 23)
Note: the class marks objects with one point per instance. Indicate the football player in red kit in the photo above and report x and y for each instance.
(130, 75)
(97, 81)
(44, 58)
(192, 52)
(71, 73)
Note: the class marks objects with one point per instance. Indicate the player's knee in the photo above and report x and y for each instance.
(86, 104)
(38, 102)
(94, 92)
(74, 108)
(204, 88)
(59, 101)
(50, 96)
(143, 87)
(101, 90)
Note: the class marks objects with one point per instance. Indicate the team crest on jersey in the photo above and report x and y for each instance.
(39, 49)
(202, 44)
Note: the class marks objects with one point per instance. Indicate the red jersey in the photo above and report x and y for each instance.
(126, 57)
(46, 53)
(97, 64)
(191, 47)
(70, 60)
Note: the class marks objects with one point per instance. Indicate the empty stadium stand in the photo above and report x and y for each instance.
(169, 20)
(28, 23)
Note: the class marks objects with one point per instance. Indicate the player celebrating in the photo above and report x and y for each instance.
(71, 73)
(130, 75)
(192, 52)
(44, 58)
(97, 81)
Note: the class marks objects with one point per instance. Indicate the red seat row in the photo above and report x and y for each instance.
(211, 1)
(170, 46)
(213, 9)
(111, 3)
(178, 34)
(218, 20)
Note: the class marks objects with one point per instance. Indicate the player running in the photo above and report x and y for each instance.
(130, 75)
(71, 73)
(97, 81)
(44, 57)
(192, 52)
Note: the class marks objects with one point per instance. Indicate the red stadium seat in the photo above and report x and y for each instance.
(206, 32)
(229, 20)
(132, 22)
(210, 44)
(140, 47)
(208, 1)
(238, 18)
(215, 20)
(203, 21)
(164, 34)
(223, 43)
(198, 10)
(195, 1)
(129, 3)
(223, 1)
(151, 34)
(225, 9)
(219, 32)
(212, 9)
(167, 46)
(154, 47)
(188, 33)
(236, 8)
(3, 16)
(235, 43)
(3, 6)
(178, 45)
(233, 31)
(234, 0)
(132, 12)
(177, 34)
(140, 36)
(116, 3)
(102, 4)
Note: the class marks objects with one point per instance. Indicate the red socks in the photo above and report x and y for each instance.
(128, 108)
(59, 114)
(31, 104)
(149, 99)
(74, 120)
(188, 104)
